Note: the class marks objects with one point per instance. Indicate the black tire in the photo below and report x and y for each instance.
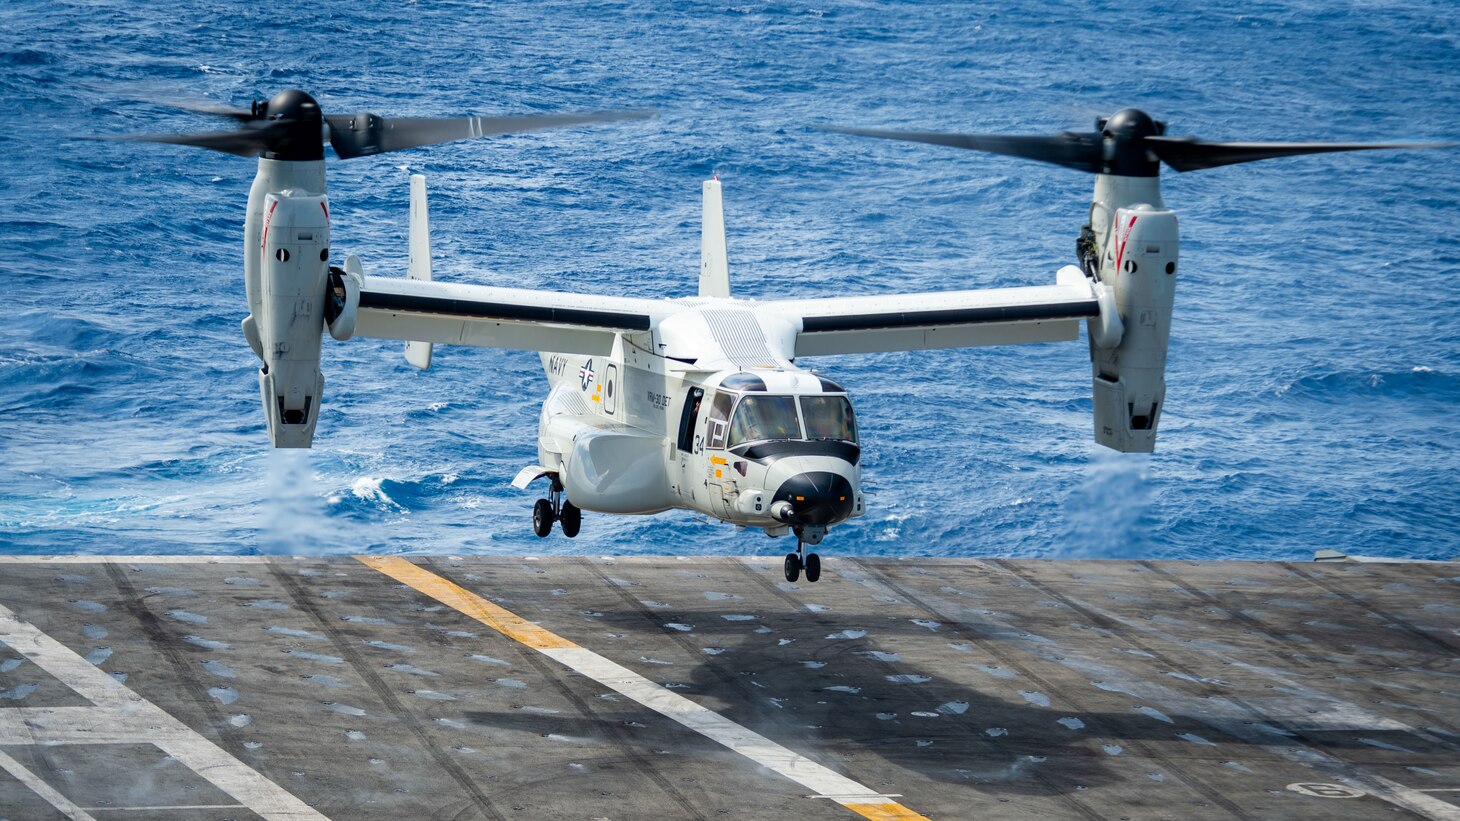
(793, 567)
(571, 519)
(813, 567)
(542, 517)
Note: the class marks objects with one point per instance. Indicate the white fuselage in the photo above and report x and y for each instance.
(642, 430)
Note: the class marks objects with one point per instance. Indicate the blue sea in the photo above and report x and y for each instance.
(1314, 383)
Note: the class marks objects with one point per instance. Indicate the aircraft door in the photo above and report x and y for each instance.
(689, 432)
(719, 482)
(687, 419)
(610, 390)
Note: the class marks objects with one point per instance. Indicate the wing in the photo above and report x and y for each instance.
(514, 318)
(950, 319)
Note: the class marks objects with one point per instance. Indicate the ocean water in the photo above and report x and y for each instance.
(1314, 379)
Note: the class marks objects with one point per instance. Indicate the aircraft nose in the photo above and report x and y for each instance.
(817, 498)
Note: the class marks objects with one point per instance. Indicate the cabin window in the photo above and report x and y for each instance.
(829, 417)
(758, 418)
(719, 418)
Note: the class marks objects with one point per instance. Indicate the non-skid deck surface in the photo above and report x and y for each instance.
(518, 688)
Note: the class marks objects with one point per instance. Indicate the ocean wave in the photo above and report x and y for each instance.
(1419, 381)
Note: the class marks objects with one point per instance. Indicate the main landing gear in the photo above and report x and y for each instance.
(795, 564)
(556, 509)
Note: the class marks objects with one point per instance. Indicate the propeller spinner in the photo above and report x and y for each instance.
(1129, 143)
(291, 126)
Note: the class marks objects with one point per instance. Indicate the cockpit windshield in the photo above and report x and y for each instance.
(760, 417)
(829, 417)
(764, 417)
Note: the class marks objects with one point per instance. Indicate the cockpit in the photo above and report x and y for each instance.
(776, 448)
(746, 417)
(761, 418)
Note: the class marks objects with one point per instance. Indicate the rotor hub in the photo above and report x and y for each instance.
(299, 140)
(1123, 144)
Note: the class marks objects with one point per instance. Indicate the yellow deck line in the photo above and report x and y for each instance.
(459, 598)
(828, 783)
(890, 811)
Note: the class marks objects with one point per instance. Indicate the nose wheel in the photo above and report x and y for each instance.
(556, 509)
(795, 564)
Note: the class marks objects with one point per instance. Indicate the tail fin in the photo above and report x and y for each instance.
(714, 267)
(419, 353)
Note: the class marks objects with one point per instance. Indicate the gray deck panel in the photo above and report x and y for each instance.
(1355, 663)
(19, 803)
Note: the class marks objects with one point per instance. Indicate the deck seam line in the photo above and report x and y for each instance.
(1403, 624)
(1376, 785)
(1270, 673)
(546, 668)
(387, 696)
(823, 780)
(1010, 655)
(165, 643)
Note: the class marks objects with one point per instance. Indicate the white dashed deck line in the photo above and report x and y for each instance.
(122, 716)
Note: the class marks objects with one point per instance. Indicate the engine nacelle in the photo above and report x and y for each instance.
(289, 323)
(342, 303)
(1130, 378)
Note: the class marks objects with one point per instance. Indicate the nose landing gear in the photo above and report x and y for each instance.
(556, 509)
(795, 563)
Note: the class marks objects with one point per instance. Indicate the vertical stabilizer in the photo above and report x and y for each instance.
(419, 353)
(714, 268)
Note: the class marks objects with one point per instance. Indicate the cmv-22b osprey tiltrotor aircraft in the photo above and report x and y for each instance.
(699, 403)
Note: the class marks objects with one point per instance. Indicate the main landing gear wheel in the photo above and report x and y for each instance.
(813, 567)
(556, 509)
(793, 567)
(571, 519)
(542, 517)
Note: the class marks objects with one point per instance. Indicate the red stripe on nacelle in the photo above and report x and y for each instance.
(268, 218)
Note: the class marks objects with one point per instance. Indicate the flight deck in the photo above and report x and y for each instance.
(247, 687)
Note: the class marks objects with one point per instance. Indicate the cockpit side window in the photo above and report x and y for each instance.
(758, 418)
(829, 417)
(719, 418)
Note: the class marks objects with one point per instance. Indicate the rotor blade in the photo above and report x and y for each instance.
(242, 115)
(363, 135)
(249, 141)
(1081, 152)
(1191, 154)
